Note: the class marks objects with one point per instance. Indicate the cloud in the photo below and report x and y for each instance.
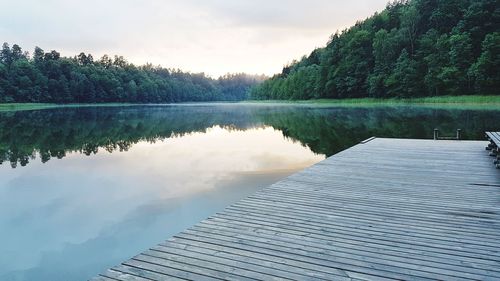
(292, 14)
(214, 36)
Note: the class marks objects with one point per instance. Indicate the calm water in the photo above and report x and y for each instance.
(82, 189)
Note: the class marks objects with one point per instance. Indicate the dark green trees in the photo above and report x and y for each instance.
(485, 71)
(412, 48)
(48, 77)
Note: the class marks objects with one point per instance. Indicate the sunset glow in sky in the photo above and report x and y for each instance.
(211, 36)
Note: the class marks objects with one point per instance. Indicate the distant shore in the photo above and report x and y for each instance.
(37, 106)
(473, 102)
(476, 102)
(423, 100)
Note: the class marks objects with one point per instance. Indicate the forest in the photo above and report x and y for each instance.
(413, 48)
(47, 77)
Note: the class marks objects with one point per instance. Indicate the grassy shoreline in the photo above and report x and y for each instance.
(38, 106)
(422, 100)
(474, 102)
(459, 102)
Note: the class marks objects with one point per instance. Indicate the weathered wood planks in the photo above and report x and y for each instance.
(384, 209)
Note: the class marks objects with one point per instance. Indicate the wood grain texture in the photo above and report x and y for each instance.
(386, 209)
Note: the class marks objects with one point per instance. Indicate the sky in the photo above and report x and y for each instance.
(211, 36)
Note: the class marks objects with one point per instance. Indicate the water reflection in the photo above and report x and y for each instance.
(68, 219)
(54, 133)
(67, 216)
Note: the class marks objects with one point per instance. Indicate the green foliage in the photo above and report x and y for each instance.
(485, 70)
(413, 48)
(50, 78)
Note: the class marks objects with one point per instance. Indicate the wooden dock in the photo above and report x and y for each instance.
(384, 209)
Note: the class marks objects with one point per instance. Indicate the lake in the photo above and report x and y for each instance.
(84, 188)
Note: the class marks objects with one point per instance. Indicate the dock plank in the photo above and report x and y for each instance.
(386, 209)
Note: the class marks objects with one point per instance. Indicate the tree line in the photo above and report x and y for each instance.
(50, 78)
(412, 48)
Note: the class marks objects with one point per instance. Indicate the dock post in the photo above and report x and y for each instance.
(436, 134)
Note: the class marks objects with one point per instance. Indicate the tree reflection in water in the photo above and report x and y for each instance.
(56, 132)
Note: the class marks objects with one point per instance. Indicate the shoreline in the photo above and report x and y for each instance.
(471, 99)
(452, 102)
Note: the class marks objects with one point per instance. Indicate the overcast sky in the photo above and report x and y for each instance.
(211, 36)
